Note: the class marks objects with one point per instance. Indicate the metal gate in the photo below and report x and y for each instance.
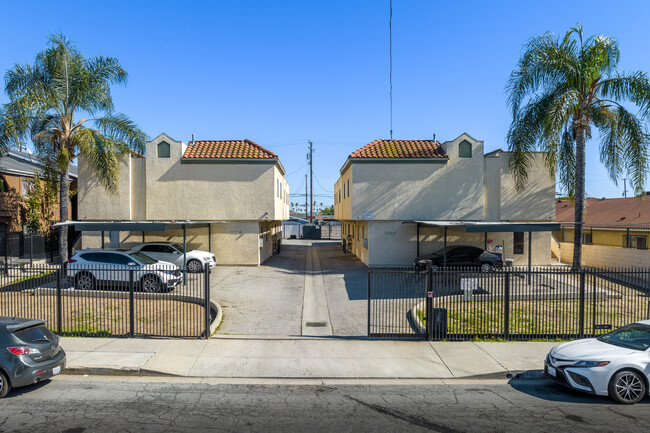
(395, 295)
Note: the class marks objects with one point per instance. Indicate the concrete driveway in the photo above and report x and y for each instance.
(310, 288)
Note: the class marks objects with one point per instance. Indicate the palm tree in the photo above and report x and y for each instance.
(562, 87)
(63, 104)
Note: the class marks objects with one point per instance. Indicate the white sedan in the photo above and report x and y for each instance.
(196, 260)
(616, 364)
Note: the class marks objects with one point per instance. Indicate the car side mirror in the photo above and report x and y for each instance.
(131, 264)
(177, 252)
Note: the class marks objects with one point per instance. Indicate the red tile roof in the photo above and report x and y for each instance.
(608, 212)
(400, 149)
(230, 149)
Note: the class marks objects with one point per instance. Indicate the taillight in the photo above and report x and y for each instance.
(71, 261)
(23, 350)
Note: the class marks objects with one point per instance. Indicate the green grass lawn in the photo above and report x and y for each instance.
(541, 317)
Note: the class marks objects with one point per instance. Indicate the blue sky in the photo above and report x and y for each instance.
(284, 72)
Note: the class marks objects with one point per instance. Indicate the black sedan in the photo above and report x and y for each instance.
(29, 353)
(464, 256)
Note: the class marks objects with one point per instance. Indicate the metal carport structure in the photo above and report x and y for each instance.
(142, 226)
(486, 227)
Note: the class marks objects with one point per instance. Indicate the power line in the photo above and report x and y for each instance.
(390, 55)
(296, 171)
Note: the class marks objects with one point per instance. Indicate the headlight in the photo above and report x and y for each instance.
(590, 363)
(169, 272)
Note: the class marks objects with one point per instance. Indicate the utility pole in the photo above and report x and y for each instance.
(311, 182)
(306, 207)
(624, 187)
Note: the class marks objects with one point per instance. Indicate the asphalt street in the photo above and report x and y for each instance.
(142, 404)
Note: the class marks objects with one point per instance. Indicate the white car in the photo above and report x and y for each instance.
(616, 364)
(88, 268)
(196, 261)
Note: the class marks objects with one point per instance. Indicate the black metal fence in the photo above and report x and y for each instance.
(110, 301)
(511, 304)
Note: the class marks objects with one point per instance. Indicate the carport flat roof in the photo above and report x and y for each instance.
(152, 226)
(490, 226)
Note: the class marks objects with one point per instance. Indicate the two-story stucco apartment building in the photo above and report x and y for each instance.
(235, 186)
(387, 185)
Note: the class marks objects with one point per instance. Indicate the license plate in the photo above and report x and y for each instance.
(551, 370)
(56, 370)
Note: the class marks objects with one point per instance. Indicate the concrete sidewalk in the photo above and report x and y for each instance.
(302, 358)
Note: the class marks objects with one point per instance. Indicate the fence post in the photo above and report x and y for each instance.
(59, 309)
(506, 308)
(368, 297)
(582, 303)
(429, 314)
(131, 306)
(6, 255)
(206, 294)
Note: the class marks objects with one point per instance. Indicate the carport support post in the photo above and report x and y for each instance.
(530, 253)
(102, 239)
(417, 250)
(210, 238)
(485, 241)
(143, 237)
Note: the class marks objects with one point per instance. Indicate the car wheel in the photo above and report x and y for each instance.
(194, 266)
(151, 284)
(486, 267)
(84, 281)
(627, 387)
(5, 386)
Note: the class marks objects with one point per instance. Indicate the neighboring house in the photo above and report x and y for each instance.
(236, 186)
(16, 171)
(389, 184)
(616, 232)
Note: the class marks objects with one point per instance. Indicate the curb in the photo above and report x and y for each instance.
(529, 375)
(114, 371)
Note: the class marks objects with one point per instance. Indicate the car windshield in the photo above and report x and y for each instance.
(179, 247)
(634, 336)
(142, 258)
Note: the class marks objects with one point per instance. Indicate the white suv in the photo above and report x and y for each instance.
(171, 252)
(88, 267)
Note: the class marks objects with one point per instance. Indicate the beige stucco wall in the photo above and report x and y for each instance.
(492, 188)
(391, 243)
(606, 257)
(232, 190)
(281, 196)
(95, 202)
(138, 192)
(343, 209)
(404, 190)
(536, 201)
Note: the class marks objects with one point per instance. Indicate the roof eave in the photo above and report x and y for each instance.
(349, 161)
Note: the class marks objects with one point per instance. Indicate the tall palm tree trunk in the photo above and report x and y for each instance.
(581, 136)
(64, 195)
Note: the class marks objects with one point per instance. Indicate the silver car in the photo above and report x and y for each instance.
(196, 260)
(88, 268)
